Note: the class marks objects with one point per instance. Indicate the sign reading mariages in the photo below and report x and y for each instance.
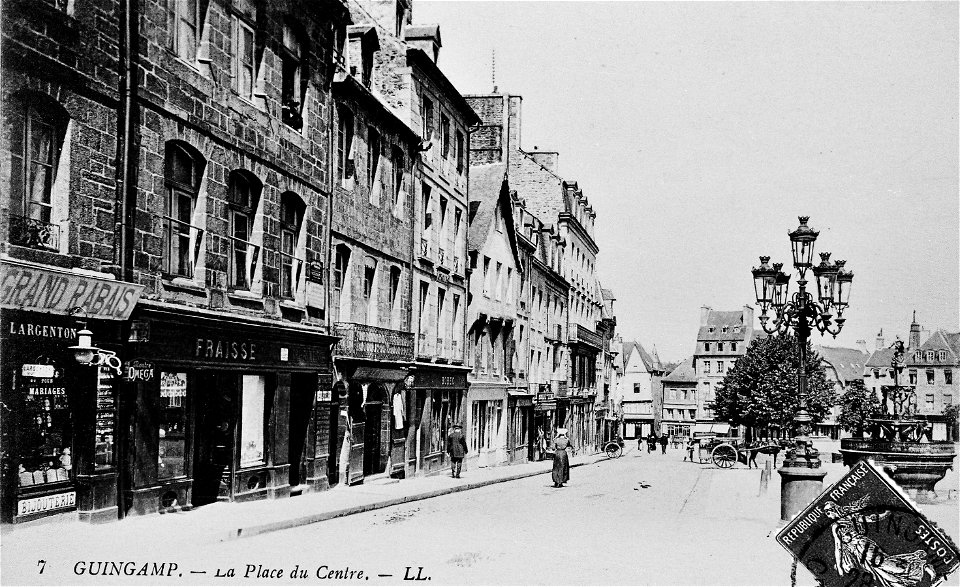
(26, 287)
(862, 531)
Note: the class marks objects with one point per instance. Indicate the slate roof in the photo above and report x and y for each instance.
(718, 319)
(485, 184)
(684, 373)
(880, 358)
(651, 363)
(848, 363)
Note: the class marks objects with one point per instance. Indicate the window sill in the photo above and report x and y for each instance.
(183, 284)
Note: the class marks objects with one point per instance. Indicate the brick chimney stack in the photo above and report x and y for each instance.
(914, 333)
(704, 314)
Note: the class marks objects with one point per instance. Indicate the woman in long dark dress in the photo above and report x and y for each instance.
(561, 460)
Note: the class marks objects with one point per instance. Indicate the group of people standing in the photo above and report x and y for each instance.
(652, 440)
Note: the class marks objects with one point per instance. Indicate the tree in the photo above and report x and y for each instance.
(856, 405)
(761, 389)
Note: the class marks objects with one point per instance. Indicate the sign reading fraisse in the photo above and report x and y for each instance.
(863, 531)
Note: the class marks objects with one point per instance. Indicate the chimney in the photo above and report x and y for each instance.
(747, 317)
(880, 344)
(513, 123)
(862, 346)
(546, 158)
(704, 314)
(425, 37)
(914, 333)
(363, 42)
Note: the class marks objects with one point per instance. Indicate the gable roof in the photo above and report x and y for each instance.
(650, 362)
(683, 373)
(848, 363)
(488, 188)
(880, 358)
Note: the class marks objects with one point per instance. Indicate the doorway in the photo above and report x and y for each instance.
(376, 434)
(216, 417)
(302, 395)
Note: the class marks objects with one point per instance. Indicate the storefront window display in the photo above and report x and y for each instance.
(445, 411)
(485, 423)
(251, 424)
(519, 428)
(173, 422)
(47, 434)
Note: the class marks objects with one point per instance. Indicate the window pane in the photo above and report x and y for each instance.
(251, 423)
(173, 424)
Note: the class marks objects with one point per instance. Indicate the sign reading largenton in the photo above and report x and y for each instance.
(862, 531)
(28, 287)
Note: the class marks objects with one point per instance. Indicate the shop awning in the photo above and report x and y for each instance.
(379, 374)
(35, 288)
(721, 428)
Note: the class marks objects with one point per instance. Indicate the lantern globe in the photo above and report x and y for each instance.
(801, 241)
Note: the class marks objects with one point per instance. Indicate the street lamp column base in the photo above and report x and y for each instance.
(798, 487)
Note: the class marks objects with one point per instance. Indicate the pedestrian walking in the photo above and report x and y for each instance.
(689, 450)
(651, 442)
(752, 449)
(457, 449)
(561, 460)
(663, 444)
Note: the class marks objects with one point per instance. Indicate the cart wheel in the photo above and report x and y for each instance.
(724, 456)
(613, 451)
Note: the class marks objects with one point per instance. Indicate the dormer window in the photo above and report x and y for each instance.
(724, 330)
(929, 355)
(711, 329)
(736, 330)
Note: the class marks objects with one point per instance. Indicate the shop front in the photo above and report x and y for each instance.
(437, 394)
(520, 436)
(60, 335)
(544, 422)
(223, 409)
(486, 424)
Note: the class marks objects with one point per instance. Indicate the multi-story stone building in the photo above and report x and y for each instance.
(606, 409)
(561, 205)
(409, 81)
(495, 260)
(931, 362)
(723, 337)
(217, 210)
(544, 291)
(678, 415)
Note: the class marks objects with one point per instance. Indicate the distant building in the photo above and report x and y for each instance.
(842, 366)
(722, 339)
(679, 400)
(641, 373)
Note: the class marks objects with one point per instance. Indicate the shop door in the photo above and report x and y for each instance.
(332, 429)
(371, 441)
(216, 418)
(302, 395)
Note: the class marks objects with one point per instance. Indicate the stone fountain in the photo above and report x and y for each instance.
(901, 443)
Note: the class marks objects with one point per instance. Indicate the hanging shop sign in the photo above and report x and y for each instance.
(863, 531)
(137, 370)
(28, 287)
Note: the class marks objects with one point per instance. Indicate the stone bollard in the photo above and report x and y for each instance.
(765, 478)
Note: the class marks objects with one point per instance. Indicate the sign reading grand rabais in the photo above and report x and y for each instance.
(862, 531)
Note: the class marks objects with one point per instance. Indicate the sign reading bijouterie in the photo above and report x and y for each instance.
(46, 503)
(26, 287)
(863, 531)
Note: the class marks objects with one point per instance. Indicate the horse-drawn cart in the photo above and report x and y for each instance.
(715, 445)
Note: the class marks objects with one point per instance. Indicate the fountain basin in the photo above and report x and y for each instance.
(915, 466)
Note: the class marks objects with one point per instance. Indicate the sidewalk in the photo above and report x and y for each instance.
(225, 521)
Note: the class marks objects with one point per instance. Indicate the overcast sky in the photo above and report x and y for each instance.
(700, 131)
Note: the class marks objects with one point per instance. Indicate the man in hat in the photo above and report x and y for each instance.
(457, 449)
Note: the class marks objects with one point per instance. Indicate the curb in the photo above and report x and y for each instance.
(308, 519)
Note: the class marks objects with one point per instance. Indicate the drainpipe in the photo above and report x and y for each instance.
(126, 144)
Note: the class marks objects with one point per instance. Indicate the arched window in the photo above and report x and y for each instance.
(291, 219)
(36, 126)
(243, 198)
(183, 173)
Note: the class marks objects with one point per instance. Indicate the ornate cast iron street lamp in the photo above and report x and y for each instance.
(802, 312)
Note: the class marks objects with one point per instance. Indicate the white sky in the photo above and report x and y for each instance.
(700, 131)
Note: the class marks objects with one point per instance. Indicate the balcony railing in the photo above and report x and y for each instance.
(583, 335)
(33, 233)
(371, 342)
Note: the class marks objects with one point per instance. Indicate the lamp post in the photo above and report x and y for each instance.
(801, 478)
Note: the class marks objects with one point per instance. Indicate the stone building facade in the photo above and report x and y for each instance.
(723, 337)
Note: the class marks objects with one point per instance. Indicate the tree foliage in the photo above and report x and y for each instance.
(856, 405)
(761, 389)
